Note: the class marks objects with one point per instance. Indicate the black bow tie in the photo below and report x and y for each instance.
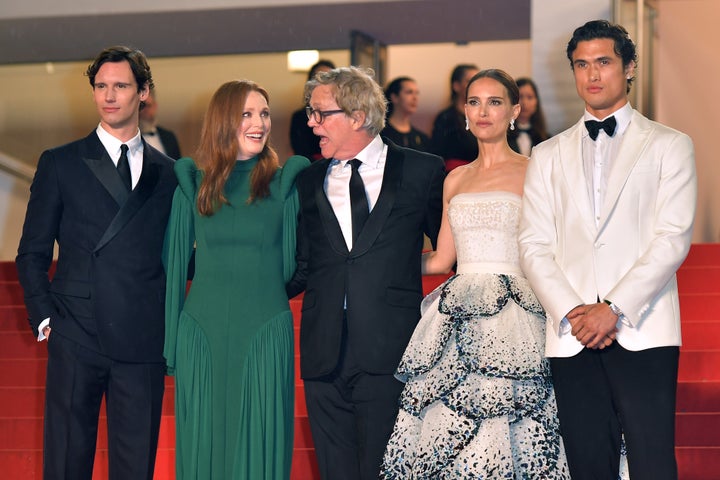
(593, 127)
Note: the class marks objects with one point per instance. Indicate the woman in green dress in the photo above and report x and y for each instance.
(229, 342)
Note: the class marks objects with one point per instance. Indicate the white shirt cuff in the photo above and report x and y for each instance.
(565, 326)
(43, 324)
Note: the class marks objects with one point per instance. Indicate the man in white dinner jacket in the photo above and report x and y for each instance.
(607, 219)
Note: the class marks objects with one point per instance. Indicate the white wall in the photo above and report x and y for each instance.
(551, 25)
(687, 65)
(13, 199)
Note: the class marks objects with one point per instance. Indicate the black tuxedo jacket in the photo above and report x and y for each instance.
(108, 289)
(380, 277)
(512, 137)
(169, 142)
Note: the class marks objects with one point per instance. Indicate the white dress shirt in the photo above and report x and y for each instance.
(135, 151)
(152, 137)
(523, 140)
(599, 154)
(598, 157)
(337, 183)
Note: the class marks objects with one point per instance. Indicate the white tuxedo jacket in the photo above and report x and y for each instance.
(631, 257)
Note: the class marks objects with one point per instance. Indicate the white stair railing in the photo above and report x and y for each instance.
(16, 168)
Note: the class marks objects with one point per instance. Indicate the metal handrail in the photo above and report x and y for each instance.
(16, 168)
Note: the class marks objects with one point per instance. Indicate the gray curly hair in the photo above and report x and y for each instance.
(355, 90)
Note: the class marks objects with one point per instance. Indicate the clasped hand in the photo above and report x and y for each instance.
(595, 326)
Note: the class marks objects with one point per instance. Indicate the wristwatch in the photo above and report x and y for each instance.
(614, 308)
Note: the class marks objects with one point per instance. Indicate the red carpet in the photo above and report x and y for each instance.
(22, 377)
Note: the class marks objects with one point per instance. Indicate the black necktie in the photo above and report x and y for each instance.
(123, 167)
(358, 200)
(593, 127)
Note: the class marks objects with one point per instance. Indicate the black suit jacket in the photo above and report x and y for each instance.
(169, 142)
(108, 289)
(380, 277)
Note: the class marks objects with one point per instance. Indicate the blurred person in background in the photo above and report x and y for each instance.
(157, 136)
(302, 139)
(402, 95)
(451, 138)
(530, 128)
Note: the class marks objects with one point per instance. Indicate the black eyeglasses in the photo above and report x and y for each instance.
(319, 115)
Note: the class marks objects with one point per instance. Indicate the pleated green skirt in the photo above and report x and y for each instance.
(234, 416)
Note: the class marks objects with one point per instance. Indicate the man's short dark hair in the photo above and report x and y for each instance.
(322, 63)
(594, 29)
(136, 59)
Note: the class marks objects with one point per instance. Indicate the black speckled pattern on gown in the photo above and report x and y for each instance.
(478, 401)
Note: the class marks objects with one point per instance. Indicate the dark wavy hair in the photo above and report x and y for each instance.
(394, 88)
(594, 29)
(319, 64)
(119, 53)
(500, 76)
(538, 125)
(457, 75)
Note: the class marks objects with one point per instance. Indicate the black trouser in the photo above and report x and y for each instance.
(77, 380)
(352, 414)
(602, 394)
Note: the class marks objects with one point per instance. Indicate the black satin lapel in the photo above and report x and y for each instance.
(104, 170)
(392, 178)
(146, 183)
(327, 215)
(135, 200)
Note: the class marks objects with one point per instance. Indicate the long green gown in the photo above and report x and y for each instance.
(229, 344)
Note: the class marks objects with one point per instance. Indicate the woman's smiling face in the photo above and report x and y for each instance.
(254, 130)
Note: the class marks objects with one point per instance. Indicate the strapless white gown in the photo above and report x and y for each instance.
(478, 400)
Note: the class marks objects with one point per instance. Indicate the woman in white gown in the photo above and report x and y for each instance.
(478, 401)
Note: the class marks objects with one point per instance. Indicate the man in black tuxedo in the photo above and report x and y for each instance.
(155, 135)
(105, 303)
(360, 272)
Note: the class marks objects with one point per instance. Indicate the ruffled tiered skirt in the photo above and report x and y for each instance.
(478, 401)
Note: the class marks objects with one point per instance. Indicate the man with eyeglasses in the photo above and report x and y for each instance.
(363, 212)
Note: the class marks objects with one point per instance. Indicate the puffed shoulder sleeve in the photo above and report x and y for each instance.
(290, 171)
(177, 250)
(288, 174)
(187, 175)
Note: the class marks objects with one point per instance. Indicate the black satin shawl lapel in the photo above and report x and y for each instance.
(99, 162)
(135, 200)
(327, 214)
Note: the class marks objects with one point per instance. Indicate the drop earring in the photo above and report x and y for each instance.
(467, 124)
(512, 124)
